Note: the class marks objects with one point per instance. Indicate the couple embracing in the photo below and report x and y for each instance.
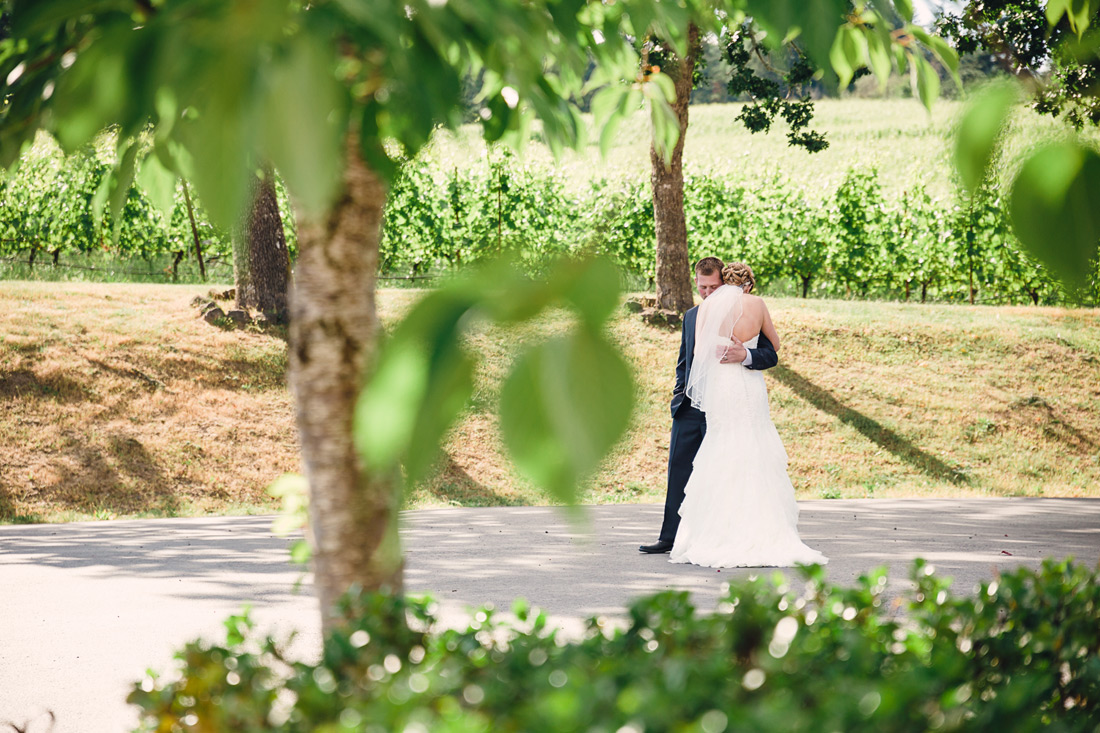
(730, 502)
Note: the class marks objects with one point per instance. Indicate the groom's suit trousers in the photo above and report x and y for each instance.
(688, 428)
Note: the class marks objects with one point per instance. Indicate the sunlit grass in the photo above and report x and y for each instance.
(120, 402)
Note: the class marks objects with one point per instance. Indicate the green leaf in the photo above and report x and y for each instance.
(92, 92)
(122, 180)
(979, 132)
(666, 126)
(34, 17)
(304, 122)
(607, 112)
(926, 81)
(593, 289)
(386, 413)
(848, 53)
(565, 404)
(905, 9)
(421, 383)
(159, 185)
(816, 20)
(879, 54)
(1078, 12)
(1053, 208)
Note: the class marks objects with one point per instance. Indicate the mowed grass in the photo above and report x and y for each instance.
(118, 401)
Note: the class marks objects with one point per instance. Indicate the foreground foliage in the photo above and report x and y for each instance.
(1022, 652)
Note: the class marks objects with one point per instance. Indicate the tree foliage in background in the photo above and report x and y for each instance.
(869, 38)
(1037, 42)
(1054, 48)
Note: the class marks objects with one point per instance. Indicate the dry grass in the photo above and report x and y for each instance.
(118, 401)
(871, 399)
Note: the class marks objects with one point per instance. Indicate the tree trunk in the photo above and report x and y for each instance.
(268, 257)
(194, 230)
(673, 267)
(242, 268)
(805, 287)
(263, 284)
(176, 264)
(333, 332)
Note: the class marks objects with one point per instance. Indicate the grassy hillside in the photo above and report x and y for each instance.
(899, 137)
(118, 401)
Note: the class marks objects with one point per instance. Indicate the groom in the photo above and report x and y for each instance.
(689, 424)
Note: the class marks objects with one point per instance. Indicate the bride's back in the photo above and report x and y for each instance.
(751, 320)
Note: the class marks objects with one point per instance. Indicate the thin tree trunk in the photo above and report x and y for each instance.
(176, 265)
(268, 260)
(667, 179)
(333, 331)
(194, 230)
(805, 287)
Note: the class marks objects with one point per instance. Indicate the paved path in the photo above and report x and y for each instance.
(86, 608)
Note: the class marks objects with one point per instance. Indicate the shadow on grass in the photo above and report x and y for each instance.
(10, 515)
(871, 429)
(1035, 409)
(453, 484)
(102, 477)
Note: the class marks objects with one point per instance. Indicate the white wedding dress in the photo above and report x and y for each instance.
(739, 508)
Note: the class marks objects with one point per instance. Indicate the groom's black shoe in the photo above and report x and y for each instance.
(656, 548)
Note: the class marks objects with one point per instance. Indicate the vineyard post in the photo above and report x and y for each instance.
(194, 229)
(970, 249)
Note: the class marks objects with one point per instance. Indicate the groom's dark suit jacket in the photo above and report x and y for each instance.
(689, 425)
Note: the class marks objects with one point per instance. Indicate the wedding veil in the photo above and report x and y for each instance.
(714, 324)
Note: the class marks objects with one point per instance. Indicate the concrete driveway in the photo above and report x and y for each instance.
(86, 608)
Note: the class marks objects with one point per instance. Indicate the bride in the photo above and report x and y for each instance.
(739, 508)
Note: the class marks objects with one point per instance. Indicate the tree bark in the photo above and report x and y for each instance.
(667, 179)
(194, 230)
(242, 268)
(260, 258)
(333, 333)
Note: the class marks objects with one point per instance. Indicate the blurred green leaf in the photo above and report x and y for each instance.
(564, 405)
(979, 131)
(1078, 12)
(122, 178)
(905, 9)
(91, 93)
(848, 53)
(593, 289)
(159, 185)
(1054, 208)
(31, 17)
(927, 81)
(302, 133)
(816, 21)
(878, 51)
(421, 383)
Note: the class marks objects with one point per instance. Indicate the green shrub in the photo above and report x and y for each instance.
(1020, 654)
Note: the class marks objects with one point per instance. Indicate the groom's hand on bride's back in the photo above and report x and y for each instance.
(733, 354)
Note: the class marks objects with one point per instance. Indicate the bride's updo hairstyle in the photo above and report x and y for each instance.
(740, 274)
